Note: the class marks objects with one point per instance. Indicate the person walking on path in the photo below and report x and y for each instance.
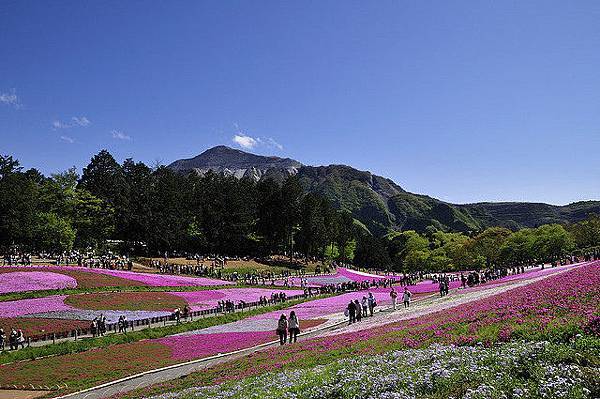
(94, 327)
(351, 313)
(121, 324)
(372, 303)
(282, 328)
(394, 296)
(12, 339)
(406, 297)
(20, 340)
(365, 304)
(293, 327)
(358, 312)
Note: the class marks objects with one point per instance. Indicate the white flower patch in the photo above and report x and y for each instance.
(482, 373)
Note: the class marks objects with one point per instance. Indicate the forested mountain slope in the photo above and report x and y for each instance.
(379, 203)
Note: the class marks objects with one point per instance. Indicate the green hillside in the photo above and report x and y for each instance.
(382, 205)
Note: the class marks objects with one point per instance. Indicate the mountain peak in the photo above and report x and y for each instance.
(231, 161)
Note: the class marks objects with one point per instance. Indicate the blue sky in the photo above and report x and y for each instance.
(464, 101)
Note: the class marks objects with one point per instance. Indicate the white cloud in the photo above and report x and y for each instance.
(67, 139)
(81, 121)
(59, 125)
(116, 134)
(244, 141)
(76, 121)
(10, 99)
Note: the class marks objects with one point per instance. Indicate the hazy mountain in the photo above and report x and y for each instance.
(379, 203)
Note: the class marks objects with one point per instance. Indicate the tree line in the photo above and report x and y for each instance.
(150, 211)
(493, 248)
(156, 210)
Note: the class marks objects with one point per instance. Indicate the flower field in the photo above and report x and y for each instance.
(87, 368)
(457, 344)
(554, 309)
(516, 370)
(95, 365)
(82, 278)
(24, 307)
(162, 280)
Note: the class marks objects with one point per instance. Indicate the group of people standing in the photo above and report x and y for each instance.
(98, 326)
(15, 339)
(356, 309)
(288, 326)
(122, 323)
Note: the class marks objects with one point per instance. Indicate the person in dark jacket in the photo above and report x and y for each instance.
(293, 326)
(351, 312)
(282, 328)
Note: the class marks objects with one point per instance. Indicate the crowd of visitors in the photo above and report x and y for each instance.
(109, 260)
(16, 258)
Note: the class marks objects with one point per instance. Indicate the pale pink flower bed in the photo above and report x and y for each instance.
(208, 299)
(34, 281)
(37, 305)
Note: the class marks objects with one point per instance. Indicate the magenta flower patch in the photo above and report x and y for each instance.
(188, 347)
(162, 280)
